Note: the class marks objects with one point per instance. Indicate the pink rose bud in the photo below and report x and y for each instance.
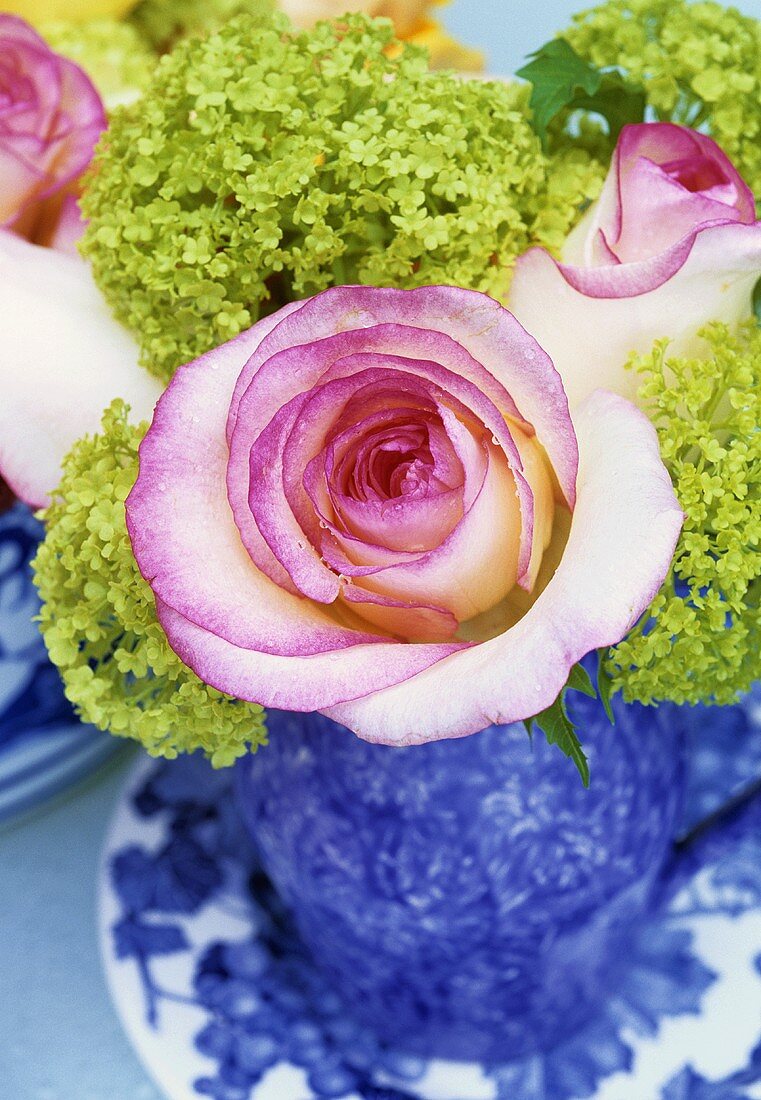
(375, 503)
(50, 119)
(671, 244)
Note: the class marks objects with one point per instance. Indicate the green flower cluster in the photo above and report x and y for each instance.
(112, 53)
(700, 640)
(99, 620)
(164, 22)
(264, 165)
(698, 62)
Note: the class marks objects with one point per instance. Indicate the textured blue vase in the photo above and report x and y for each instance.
(468, 899)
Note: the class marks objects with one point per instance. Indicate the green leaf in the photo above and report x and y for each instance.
(605, 688)
(757, 301)
(618, 101)
(559, 730)
(563, 80)
(580, 680)
(557, 74)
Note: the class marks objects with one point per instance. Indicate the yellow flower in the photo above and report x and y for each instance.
(37, 11)
(411, 19)
(446, 52)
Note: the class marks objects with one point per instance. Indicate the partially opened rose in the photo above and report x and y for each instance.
(375, 504)
(50, 119)
(671, 244)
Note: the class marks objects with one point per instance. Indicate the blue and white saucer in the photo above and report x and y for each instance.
(220, 1000)
(43, 747)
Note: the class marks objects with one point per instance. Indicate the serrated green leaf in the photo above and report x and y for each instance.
(557, 73)
(562, 80)
(580, 680)
(605, 688)
(559, 730)
(618, 101)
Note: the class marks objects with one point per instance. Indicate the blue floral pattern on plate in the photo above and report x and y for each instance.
(221, 1000)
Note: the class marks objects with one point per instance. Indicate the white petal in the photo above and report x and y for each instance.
(589, 336)
(63, 359)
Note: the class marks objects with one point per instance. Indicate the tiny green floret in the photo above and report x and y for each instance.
(264, 165)
(99, 620)
(701, 637)
(699, 64)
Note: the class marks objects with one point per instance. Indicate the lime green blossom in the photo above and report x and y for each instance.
(112, 54)
(701, 638)
(264, 165)
(164, 22)
(574, 178)
(99, 620)
(700, 64)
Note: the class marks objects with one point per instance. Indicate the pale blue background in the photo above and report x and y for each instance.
(60, 1039)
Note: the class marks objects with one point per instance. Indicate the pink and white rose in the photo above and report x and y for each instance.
(64, 357)
(376, 504)
(671, 244)
(50, 119)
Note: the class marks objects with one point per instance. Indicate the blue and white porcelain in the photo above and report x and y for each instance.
(221, 999)
(43, 748)
(470, 898)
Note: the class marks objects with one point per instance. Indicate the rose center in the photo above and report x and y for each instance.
(16, 89)
(398, 467)
(696, 173)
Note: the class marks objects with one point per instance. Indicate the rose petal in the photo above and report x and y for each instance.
(468, 573)
(641, 211)
(622, 539)
(599, 316)
(406, 620)
(57, 339)
(223, 617)
(495, 352)
(340, 368)
(299, 682)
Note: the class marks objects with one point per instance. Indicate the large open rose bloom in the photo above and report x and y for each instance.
(375, 504)
(671, 244)
(50, 119)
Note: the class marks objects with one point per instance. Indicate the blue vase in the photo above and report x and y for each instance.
(468, 899)
(31, 694)
(43, 747)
